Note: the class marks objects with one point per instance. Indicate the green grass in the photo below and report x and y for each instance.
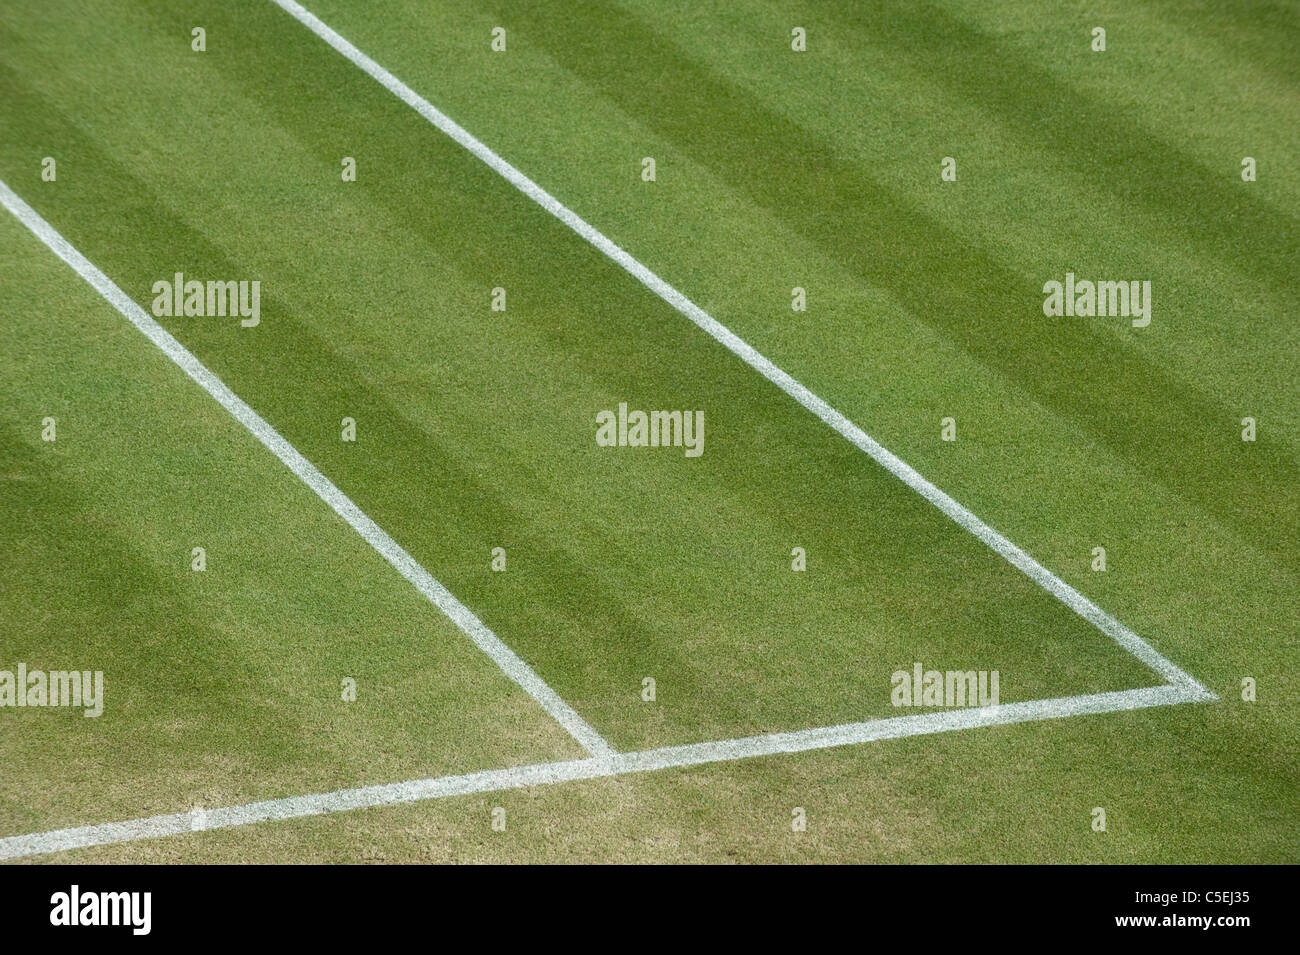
(476, 428)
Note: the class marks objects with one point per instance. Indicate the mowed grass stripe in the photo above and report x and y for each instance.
(472, 430)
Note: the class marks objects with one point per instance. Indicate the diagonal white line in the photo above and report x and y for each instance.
(695, 754)
(1058, 588)
(374, 535)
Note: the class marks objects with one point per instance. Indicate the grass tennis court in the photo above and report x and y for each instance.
(439, 346)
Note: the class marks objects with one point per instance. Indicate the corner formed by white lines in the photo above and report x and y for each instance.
(604, 761)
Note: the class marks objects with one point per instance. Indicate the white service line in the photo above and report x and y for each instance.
(374, 535)
(695, 754)
(1058, 588)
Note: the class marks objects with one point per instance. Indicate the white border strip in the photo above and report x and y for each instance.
(695, 754)
(1058, 588)
(372, 533)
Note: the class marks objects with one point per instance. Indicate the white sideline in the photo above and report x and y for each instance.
(513, 667)
(1058, 588)
(695, 754)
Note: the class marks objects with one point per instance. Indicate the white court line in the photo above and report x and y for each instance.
(1058, 588)
(695, 754)
(372, 533)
